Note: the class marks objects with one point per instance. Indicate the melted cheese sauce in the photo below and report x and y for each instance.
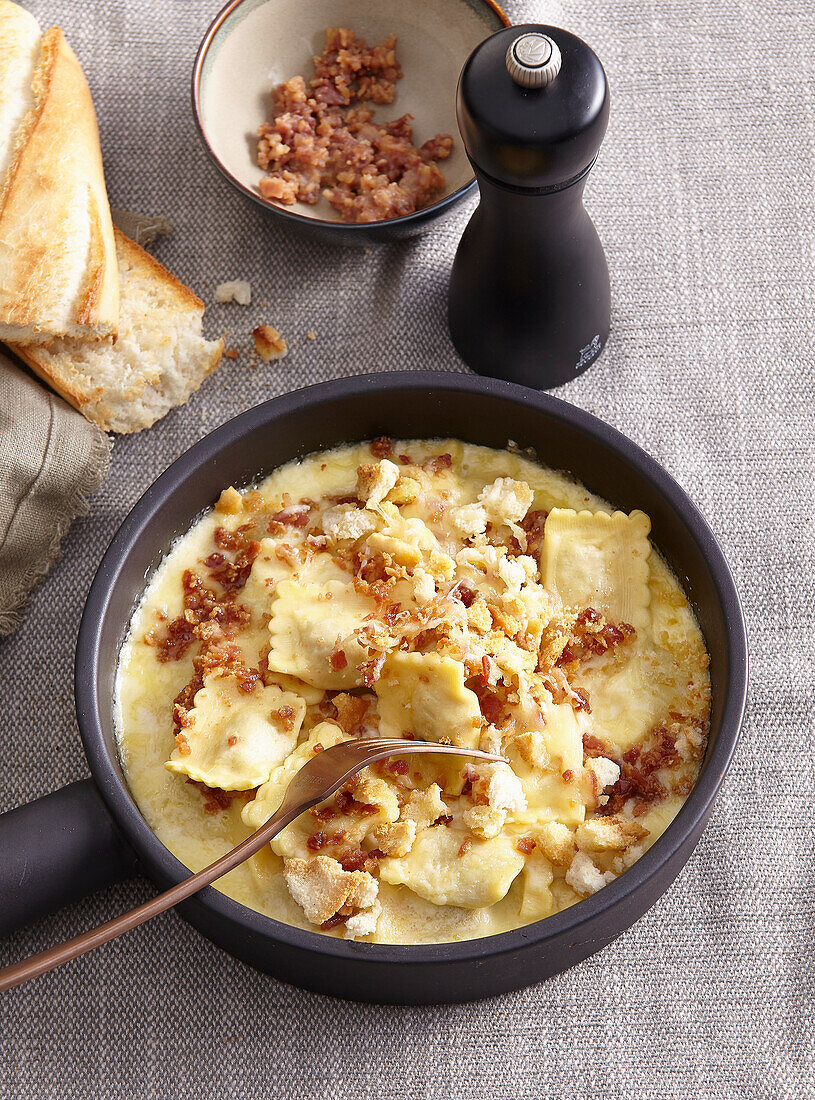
(648, 692)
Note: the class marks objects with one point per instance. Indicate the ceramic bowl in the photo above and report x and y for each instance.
(252, 45)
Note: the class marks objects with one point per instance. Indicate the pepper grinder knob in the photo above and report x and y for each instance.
(533, 60)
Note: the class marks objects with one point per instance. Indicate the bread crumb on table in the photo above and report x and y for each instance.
(238, 290)
(269, 343)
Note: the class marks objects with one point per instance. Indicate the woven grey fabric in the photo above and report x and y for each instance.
(703, 197)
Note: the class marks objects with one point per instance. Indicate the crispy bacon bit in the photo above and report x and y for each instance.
(338, 660)
(638, 767)
(323, 813)
(492, 705)
(316, 841)
(562, 691)
(381, 447)
(399, 766)
(177, 639)
(333, 922)
(358, 860)
(593, 747)
(296, 515)
(198, 599)
(286, 716)
(465, 594)
(466, 845)
(184, 701)
(445, 819)
(486, 664)
(580, 700)
(318, 748)
(232, 741)
(216, 800)
(593, 636)
(370, 670)
(232, 540)
(438, 463)
(369, 570)
(287, 553)
(247, 678)
(324, 139)
(347, 804)
(232, 576)
(406, 460)
(568, 775)
(533, 524)
(214, 560)
(182, 744)
(526, 844)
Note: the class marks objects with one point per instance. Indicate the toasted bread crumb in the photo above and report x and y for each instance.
(230, 501)
(425, 807)
(395, 838)
(322, 888)
(608, 833)
(238, 290)
(375, 481)
(585, 877)
(269, 343)
(556, 841)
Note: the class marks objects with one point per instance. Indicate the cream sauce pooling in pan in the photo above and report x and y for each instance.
(433, 590)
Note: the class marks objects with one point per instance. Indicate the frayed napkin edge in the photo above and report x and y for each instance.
(75, 505)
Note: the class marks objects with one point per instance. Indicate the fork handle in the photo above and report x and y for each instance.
(32, 967)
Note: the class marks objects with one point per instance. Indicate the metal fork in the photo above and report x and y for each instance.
(319, 778)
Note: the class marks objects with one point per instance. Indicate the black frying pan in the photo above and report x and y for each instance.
(91, 834)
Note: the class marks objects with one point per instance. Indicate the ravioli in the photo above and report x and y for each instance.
(537, 900)
(437, 870)
(313, 627)
(235, 739)
(553, 789)
(593, 559)
(423, 694)
(270, 795)
(425, 590)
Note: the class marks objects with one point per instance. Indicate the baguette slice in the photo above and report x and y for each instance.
(158, 359)
(57, 254)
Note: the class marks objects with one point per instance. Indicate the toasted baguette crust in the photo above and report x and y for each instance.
(157, 360)
(58, 272)
(172, 287)
(19, 57)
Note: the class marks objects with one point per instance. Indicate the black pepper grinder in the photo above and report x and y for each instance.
(529, 290)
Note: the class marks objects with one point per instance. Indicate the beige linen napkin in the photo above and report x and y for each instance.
(51, 460)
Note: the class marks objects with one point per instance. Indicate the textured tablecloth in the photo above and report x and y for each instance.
(703, 195)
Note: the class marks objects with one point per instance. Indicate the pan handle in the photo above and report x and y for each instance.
(57, 850)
